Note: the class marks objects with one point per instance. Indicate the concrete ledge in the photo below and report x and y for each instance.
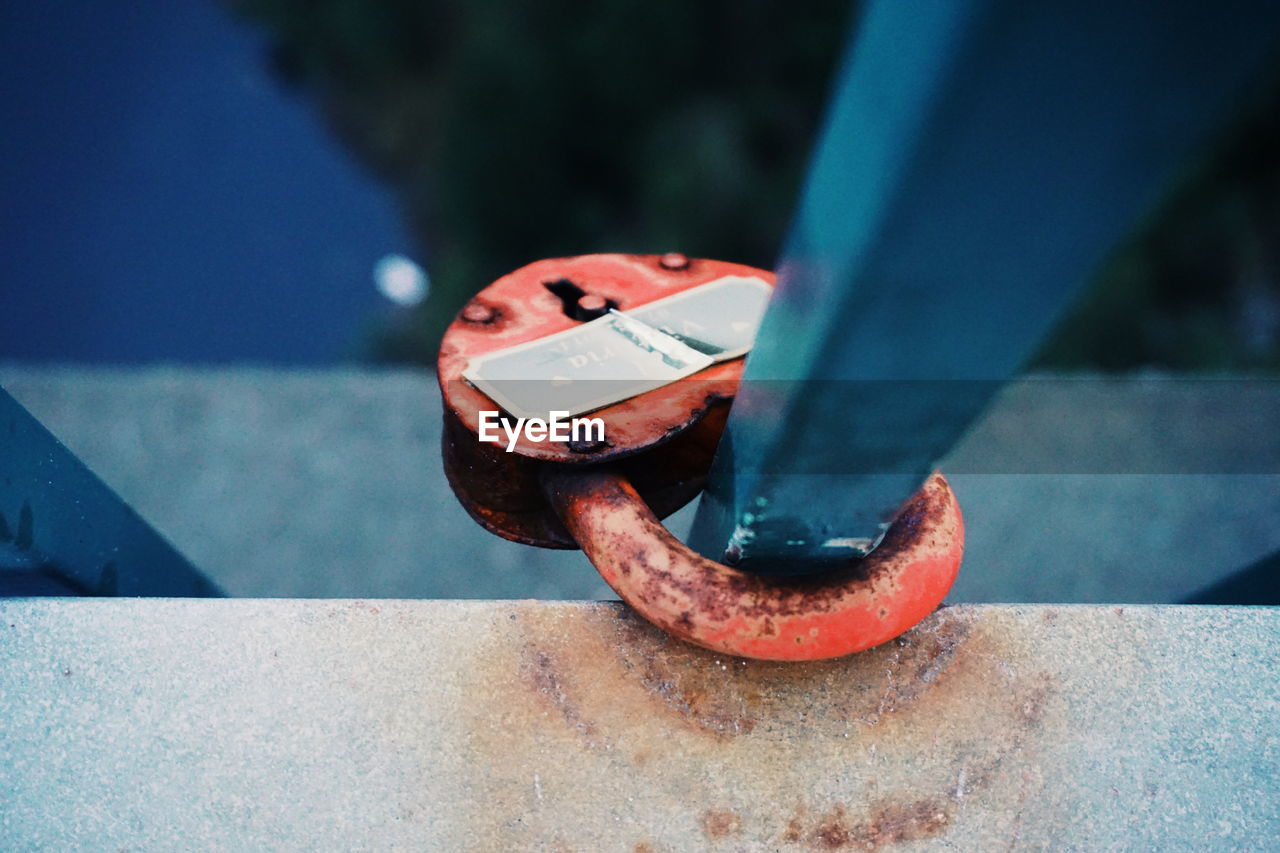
(328, 484)
(289, 725)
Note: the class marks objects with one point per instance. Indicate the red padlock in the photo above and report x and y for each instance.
(662, 440)
(607, 497)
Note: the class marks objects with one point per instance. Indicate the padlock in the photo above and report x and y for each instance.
(607, 496)
(663, 440)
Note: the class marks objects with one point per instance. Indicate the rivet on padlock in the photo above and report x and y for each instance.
(607, 496)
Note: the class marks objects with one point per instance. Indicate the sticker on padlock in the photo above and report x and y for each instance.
(622, 355)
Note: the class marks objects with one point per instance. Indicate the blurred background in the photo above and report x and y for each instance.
(232, 235)
(314, 181)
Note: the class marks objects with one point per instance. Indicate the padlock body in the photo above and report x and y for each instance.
(664, 439)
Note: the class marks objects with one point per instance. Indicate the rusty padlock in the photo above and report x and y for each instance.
(607, 496)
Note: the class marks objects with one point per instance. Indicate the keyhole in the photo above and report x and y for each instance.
(577, 303)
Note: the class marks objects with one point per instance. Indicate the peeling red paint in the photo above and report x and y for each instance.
(722, 608)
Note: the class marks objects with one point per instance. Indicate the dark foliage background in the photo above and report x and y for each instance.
(516, 131)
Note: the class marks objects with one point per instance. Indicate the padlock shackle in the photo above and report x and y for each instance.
(727, 610)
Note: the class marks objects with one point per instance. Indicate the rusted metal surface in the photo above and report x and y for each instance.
(501, 490)
(676, 427)
(495, 726)
(724, 609)
(664, 441)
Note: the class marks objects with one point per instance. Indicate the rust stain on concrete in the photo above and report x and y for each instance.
(886, 745)
(888, 822)
(718, 824)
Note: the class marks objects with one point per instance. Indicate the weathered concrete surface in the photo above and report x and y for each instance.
(328, 483)
(343, 725)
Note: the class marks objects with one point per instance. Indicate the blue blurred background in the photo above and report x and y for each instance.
(166, 199)
(272, 180)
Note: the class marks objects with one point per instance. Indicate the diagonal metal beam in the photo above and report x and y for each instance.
(65, 532)
(980, 160)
